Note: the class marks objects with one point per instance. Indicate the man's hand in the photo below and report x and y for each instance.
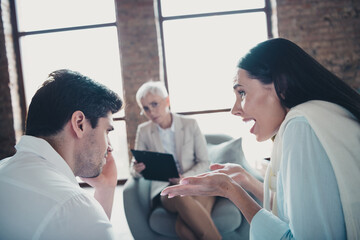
(105, 184)
(108, 176)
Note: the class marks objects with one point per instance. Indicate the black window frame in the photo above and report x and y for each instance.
(266, 9)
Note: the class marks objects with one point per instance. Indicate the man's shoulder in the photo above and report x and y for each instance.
(42, 186)
(58, 205)
(34, 176)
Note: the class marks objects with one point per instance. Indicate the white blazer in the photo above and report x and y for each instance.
(191, 150)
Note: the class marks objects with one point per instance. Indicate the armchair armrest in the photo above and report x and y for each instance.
(137, 193)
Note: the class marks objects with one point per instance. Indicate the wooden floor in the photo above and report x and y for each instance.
(118, 218)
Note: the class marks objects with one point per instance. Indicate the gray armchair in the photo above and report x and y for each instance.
(159, 224)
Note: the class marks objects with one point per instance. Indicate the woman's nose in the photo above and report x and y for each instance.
(237, 109)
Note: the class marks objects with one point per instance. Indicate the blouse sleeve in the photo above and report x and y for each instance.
(307, 191)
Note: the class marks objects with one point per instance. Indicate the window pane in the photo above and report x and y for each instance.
(226, 123)
(92, 52)
(45, 14)
(119, 143)
(201, 57)
(184, 7)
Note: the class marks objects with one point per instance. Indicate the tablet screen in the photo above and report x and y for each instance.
(159, 166)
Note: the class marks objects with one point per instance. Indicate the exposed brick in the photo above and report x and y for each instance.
(139, 55)
(327, 30)
(7, 133)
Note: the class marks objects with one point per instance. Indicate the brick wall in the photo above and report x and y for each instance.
(7, 133)
(327, 30)
(139, 55)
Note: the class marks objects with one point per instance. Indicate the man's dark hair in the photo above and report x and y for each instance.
(63, 93)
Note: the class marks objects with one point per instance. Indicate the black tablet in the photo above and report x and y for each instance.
(159, 166)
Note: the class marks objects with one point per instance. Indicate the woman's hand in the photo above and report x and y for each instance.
(207, 184)
(241, 177)
(216, 184)
(138, 167)
(175, 181)
(235, 171)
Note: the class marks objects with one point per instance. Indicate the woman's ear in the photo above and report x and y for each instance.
(78, 123)
(167, 99)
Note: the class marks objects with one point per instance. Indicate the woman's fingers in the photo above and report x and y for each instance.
(174, 180)
(206, 185)
(138, 167)
(216, 166)
(183, 190)
(201, 175)
(191, 180)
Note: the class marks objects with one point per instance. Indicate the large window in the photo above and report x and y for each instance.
(202, 43)
(79, 35)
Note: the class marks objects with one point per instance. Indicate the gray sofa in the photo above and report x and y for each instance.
(148, 224)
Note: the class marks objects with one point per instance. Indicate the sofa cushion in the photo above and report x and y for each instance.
(217, 138)
(225, 215)
(231, 152)
(226, 152)
(163, 222)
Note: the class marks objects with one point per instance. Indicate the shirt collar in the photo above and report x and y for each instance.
(172, 127)
(44, 150)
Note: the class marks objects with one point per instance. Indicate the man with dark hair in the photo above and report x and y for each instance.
(66, 135)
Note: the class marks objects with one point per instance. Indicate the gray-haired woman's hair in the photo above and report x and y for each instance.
(153, 87)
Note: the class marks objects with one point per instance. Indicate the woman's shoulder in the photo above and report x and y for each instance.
(145, 125)
(183, 117)
(298, 124)
(297, 128)
(298, 120)
(185, 120)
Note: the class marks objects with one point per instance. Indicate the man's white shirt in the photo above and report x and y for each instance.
(41, 199)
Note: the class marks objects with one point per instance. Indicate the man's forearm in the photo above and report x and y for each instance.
(106, 199)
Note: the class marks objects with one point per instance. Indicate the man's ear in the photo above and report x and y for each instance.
(78, 123)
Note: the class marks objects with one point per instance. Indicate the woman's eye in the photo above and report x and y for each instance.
(154, 104)
(242, 94)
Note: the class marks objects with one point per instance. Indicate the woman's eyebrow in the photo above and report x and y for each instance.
(236, 85)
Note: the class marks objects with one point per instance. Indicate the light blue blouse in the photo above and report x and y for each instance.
(309, 205)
